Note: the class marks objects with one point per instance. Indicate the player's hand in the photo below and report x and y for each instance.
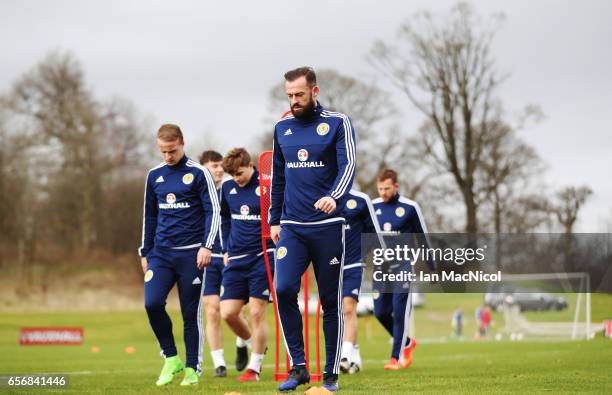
(275, 231)
(326, 204)
(225, 259)
(204, 257)
(144, 263)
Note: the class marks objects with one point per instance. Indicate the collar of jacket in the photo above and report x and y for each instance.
(254, 178)
(394, 199)
(314, 116)
(180, 163)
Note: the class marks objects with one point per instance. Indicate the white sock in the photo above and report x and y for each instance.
(347, 348)
(356, 355)
(255, 362)
(217, 357)
(240, 342)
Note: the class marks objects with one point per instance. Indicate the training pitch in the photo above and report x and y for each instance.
(120, 355)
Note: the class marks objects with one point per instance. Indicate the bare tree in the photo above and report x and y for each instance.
(63, 112)
(567, 205)
(18, 192)
(526, 213)
(506, 173)
(445, 68)
(84, 142)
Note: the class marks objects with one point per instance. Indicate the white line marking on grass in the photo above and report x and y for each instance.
(78, 373)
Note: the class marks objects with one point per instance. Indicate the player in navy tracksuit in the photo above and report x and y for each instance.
(312, 173)
(245, 279)
(360, 218)
(180, 224)
(396, 214)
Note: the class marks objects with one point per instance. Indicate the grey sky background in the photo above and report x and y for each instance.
(209, 66)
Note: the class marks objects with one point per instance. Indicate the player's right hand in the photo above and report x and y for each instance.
(203, 258)
(144, 263)
(225, 259)
(327, 204)
(275, 233)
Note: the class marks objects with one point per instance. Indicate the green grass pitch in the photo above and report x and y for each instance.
(440, 367)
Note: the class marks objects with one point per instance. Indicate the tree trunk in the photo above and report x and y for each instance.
(497, 214)
(471, 221)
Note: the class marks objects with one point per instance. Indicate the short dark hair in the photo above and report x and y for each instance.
(387, 174)
(210, 156)
(305, 71)
(169, 132)
(236, 158)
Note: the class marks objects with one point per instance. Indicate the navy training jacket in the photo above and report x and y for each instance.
(312, 158)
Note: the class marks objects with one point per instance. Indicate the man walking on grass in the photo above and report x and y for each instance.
(180, 223)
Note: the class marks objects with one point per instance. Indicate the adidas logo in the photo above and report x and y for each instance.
(355, 291)
(196, 281)
(266, 292)
(378, 212)
(347, 227)
(233, 191)
(288, 132)
(334, 261)
(160, 179)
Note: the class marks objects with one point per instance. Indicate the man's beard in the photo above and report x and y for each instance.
(303, 112)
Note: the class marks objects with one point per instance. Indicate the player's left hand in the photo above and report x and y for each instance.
(204, 257)
(326, 204)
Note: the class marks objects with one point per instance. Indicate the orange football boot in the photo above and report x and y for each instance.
(392, 365)
(406, 359)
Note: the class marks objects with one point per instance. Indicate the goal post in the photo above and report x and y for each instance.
(547, 321)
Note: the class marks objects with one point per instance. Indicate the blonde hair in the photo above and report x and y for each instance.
(169, 132)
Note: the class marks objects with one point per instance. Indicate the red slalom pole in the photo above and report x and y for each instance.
(265, 170)
(306, 329)
(317, 375)
(265, 181)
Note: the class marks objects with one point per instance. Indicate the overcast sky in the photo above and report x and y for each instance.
(208, 66)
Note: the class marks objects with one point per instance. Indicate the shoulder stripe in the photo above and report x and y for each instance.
(214, 199)
(417, 209)
(377, 200)
(350, 151)
(157, 166)
(374, 220)
(407, 201)
(220, 197)
(286, 116)
(360, 194)
(373, 217)
(350, 144)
